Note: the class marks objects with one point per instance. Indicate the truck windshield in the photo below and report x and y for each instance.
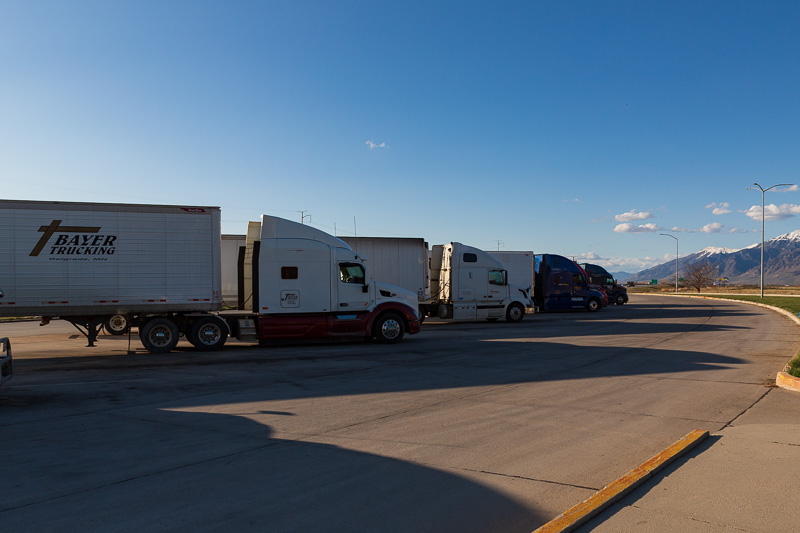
(351, 273)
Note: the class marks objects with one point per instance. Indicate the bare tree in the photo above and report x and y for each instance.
(699, 274)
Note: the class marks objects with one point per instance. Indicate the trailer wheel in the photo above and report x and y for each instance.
(620, 300)
(388, 329)
(515, 312)
(116, 325)
(159, 335)
(593, 305)
(208, 333)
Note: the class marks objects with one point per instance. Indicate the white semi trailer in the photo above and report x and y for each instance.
(519, 265)
(158, 268)
(400, 261)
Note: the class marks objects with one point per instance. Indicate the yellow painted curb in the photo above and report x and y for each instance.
(787, 381)
(612, 492)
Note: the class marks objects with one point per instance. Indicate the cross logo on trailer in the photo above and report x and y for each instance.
(73, 241)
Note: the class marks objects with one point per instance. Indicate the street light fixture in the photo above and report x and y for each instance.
(763, 192)
(676, 258)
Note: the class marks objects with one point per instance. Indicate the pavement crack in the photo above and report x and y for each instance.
(734, 419)
(692, 519)
(548, 481)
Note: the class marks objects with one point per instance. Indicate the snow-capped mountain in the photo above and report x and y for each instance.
(781, 263)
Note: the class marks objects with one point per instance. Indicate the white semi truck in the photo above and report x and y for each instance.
(467, 283)
(452, 281)
(158, 268)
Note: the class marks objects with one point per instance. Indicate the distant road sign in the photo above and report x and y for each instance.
(653, 282)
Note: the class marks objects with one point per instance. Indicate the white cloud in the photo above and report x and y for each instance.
(721, 208)
(630, 228)
(372, 145)
(681, 230)
(791, 189)
(773, 212)
(714, 227)
(628, 264)
(633, 215)
(588, 256)
(740, 230)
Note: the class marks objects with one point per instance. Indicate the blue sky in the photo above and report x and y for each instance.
(583, 128)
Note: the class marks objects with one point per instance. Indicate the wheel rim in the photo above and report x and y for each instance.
(593, 305)
(515, 313)
(390, 329)
(160, 336)
(209, 334)
(117, 323)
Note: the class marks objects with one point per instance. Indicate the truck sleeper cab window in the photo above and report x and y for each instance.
(470, 258)
(351, 273)
(288, 272)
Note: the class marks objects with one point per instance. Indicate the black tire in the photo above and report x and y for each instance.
(388, 329)
(593, 305)
(620, 299)
(421, 315)
(159, 335)
(116, 325)
(208, 333)
(515, 313)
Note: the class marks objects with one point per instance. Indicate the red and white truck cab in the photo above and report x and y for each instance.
(309, 284)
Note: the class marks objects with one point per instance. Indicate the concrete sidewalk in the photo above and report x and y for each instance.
(745, 477)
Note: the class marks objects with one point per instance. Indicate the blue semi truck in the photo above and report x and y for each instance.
(558, 283)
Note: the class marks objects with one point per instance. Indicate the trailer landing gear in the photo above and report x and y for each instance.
(88, 326)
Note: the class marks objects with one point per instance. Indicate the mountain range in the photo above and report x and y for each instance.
(743, 267)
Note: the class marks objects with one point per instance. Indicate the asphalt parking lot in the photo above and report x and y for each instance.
(464, 427)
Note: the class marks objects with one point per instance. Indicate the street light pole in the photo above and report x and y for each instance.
(763, 192)
(676, 258)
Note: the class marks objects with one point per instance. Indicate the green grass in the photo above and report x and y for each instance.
(794, 366)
